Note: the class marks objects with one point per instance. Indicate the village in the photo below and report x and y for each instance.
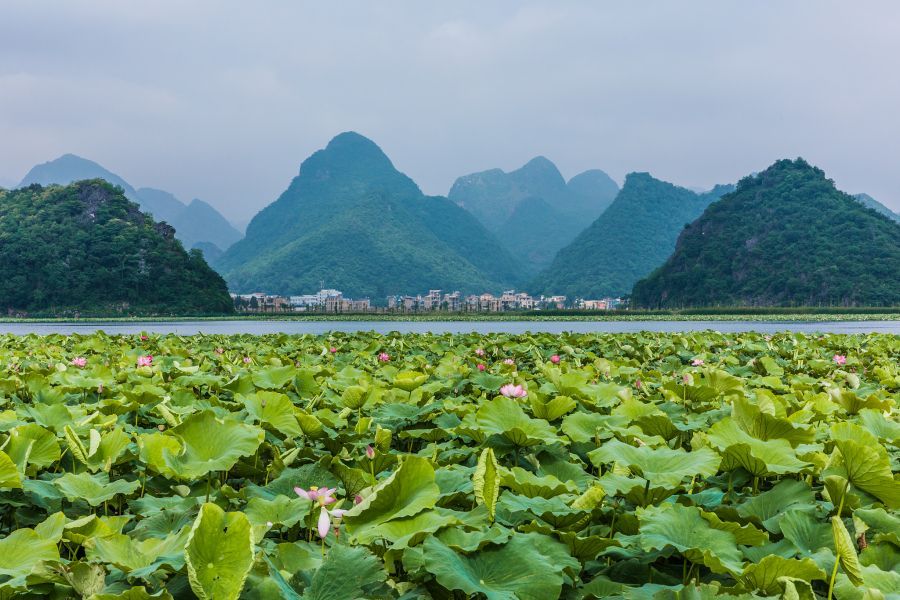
(333, 301)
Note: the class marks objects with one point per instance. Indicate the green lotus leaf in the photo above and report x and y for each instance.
(130, 554)
(219, 553)
(528, 484)
(763, 426)
(766, 575)
(409, 490)
(94, 489)
(488, 382)
(887, 525)
(552, 410)
(409, 531)
(684, 529)
(354, 397)
(31, 446)
(486, 481)
(846, 551)
(538, 574)
(209, 444)
(470, 541)
(282, 510)
(513, 509)
(86, 579)
(9, 474)
(769, 507)
(865, 462)
(23, 550)
(409, 380)
(135, 593)
(274, 409)
(103, 449)
(346, 572)
(758, 457)
(587, 427)
(504, 417)
(745, 535)
(885, 429)
(805, 532)
(662, 467)
(273, 378)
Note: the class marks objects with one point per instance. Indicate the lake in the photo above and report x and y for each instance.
(317, 327)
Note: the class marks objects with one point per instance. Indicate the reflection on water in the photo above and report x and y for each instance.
(316, 327)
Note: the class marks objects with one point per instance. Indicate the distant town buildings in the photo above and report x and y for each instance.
(333, 301)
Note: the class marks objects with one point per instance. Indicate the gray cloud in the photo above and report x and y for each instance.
(223, 99)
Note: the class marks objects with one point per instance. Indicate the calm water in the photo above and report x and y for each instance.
(264, 327)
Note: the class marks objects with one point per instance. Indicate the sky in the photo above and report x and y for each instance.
(222, 100)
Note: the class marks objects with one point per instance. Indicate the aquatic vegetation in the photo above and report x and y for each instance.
(574, 466)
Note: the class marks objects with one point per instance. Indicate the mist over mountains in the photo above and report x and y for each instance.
(352, 221)
(194, 223)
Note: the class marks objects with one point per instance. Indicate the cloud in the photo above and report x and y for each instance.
(223, 100)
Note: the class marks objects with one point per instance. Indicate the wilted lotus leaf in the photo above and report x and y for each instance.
(538, 574)
(662, 467)
(209, 444)
(219, 553)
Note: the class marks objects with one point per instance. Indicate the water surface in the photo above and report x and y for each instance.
(317, 327)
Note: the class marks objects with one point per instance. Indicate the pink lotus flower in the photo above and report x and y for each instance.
(370, 452)
(480, 367)
(513, 391)
(145, 361)
(220, 351)
(509, 361)
(697, 362)
(246, 360)
(324, 496)
(839, 359)
(357, 499)
(333, 350)
(638, 384)
(79, 362)
(144, 338)
(686, 379)
(384, 357)
(480, 352)
(555, 359)
(325, 521)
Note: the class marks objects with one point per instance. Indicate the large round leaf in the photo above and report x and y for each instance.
(528, 567)
(210, 444)
(503, 416)
(95, 489)
(662, 467)
(23, 550)
(219, 553)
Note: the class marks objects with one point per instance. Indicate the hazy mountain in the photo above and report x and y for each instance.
(786, 236)
(352, 220)
(870, 202)
(86, 247)
(193, 224)
(533, 209)
(633, 236)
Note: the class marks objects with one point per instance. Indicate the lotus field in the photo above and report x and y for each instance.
(524, 467)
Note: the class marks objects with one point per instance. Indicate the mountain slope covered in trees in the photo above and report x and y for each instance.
(631, 238)
(533, 210)
(193, 223)
(352, 221)
(86, 247)
(785, 236)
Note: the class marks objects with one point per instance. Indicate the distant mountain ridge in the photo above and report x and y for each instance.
(786, 236)
(633, 236)
(352, 220)
(870, 202)
(193, 223)
(533, 210)
(86, 247)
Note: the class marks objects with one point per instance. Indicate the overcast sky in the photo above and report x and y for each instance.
(223, 100)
